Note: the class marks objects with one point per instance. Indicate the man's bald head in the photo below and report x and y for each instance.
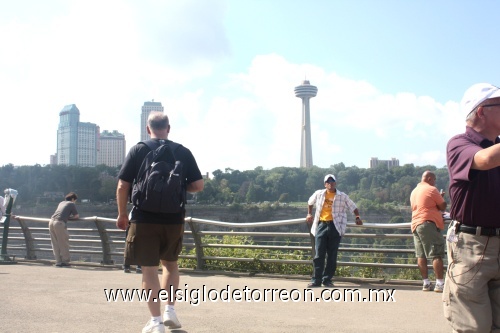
(158, 125)
(429, 177)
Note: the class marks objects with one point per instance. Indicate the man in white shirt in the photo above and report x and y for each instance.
(2, 207)
(328, 226)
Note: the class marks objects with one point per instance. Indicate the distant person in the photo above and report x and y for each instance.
(2, 206)
(126, 268)
(472, 288)
(154, 237)
(426, 225)
(328, 226)
(59, 236)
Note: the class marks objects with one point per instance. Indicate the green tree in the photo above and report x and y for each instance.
(283, 197)
(108, 189)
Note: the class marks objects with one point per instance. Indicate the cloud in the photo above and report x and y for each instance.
(108, 58)
(257, 122)
(185, 33)
(101, 57)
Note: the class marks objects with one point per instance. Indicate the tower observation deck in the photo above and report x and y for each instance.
(306, 91)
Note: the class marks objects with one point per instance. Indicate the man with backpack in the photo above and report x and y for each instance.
(156, 174)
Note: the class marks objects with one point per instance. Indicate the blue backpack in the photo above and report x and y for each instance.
(159, 187)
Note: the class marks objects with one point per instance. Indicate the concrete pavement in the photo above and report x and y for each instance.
(42, 298)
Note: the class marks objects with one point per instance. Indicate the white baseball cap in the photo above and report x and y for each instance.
(329, 176)
(477, 94)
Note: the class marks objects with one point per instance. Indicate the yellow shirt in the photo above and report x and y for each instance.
(326, 211)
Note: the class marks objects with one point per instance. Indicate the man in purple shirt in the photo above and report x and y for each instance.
(472, 290)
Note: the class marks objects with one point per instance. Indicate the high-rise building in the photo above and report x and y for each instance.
(146, 110)
(77, 142)
(88, 144)
(374, 162)
(306, 91)
(67, 135)
(111, 149)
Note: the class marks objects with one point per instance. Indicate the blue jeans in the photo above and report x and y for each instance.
(327, 241)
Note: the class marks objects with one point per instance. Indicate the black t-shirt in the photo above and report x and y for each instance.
(131, 166)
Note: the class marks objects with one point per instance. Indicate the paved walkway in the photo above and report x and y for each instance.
(42, 298)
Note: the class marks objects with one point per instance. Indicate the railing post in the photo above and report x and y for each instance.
(313, 245)
(313, 240)
(200, 263)
(28, 239)
(106, 249)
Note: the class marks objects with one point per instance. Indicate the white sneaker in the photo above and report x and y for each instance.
(439, 288)
(170, 320)
(152, 327)
(426, 287)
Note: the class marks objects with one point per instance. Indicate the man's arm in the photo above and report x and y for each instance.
(487, 158)
(74, 213)
(310, 205)
(122, 191)
(438, 198)
(358, 219)
(195, 186)
(441, 206)
(309, 217)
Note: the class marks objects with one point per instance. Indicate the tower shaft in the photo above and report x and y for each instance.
(305, 92)
(306, 160)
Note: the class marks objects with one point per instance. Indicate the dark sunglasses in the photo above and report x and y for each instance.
(491, 105)
(330, 181)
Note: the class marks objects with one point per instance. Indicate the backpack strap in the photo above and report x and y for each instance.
(172, 146)
(153, 145)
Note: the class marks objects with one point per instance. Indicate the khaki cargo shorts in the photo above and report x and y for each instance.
(429, 242)
(148, 243)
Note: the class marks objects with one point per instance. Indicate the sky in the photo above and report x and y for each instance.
(390, 75)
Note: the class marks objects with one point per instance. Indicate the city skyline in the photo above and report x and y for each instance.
(390, 84)
(112, 148)
(83, 144)
(393, 162)
(77, 142)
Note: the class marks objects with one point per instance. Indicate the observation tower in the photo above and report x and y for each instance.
(306, 91)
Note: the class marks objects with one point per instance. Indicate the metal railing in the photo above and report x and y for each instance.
(103, 243)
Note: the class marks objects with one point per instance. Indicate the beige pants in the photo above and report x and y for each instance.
(472, 289)
(60, 241)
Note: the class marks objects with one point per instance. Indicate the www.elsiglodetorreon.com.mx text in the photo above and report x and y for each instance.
(197, 296)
